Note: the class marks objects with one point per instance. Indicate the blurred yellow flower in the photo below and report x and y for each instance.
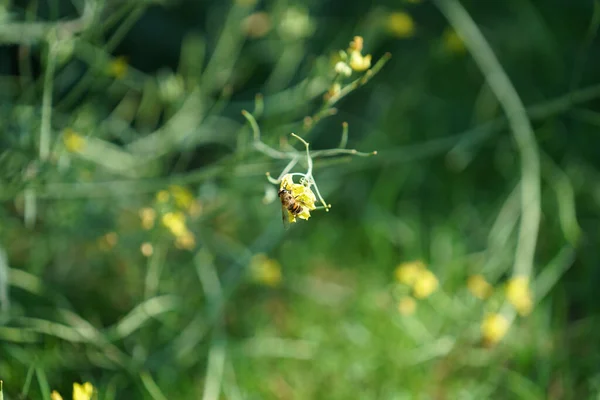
(408, 272)
(55, 395)
(452, 42)
(72, 141)
(518, 293)
(479, 287)
(183, 197)
(82, 392)
(162, 196)
(147, 249)
(356, 44)
(117, 67)
(265, 270)
(148, 216)
(185, 241)
(175, 222)
(302, 195)
(108, 241)
(358, 62)
(493, 328)
(257, 25)
(407, 305)
(425, 284)
(400, 24)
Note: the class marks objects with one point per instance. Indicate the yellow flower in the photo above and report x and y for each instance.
(519, 294)
(55, 395)
(117, 68)
(303, 196)
(257, 25)
(182, 196)
(108, 241)
(147, 249)
(425, 284)
(407, 305)
(358, 62)
(185, 241)
(82, 392)
(175, 222)
(162, 196)
(265, 270)
(494, 328)
(452, 42)
(400, 24)
(408, 272)
(73, 141)
(148, 216)
(479, 287)
(357, 44)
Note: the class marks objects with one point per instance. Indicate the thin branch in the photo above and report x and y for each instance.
(344, 140)
(308, 158)
(519, 122)
(360, 81)
(32, 32)
(259, 145)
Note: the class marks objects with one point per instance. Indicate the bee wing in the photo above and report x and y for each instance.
(285, 218)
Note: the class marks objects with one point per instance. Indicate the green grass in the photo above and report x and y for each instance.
(141, 242)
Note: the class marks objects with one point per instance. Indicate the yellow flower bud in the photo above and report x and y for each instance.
(425, 284)
(479, 287)
(400, 24)
(148, 216)
(265, 270)
(408, 272)
(452, 42)
(147, 249)
(519, 294)
(407, 305)
(162, 196)
(357, 44)
(494, 328)
(358, 62)
(175, 222)
(55, 395)
(108, 241)
(72, 141)
(183, 197)
(185, 241)
(343, 69)
(117, 68)
(257, 24)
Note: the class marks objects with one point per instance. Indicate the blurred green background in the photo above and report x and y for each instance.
(142, 248)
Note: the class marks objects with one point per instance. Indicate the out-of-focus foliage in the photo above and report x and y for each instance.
(142, 251)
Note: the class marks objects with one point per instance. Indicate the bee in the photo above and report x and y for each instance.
(288, 203)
